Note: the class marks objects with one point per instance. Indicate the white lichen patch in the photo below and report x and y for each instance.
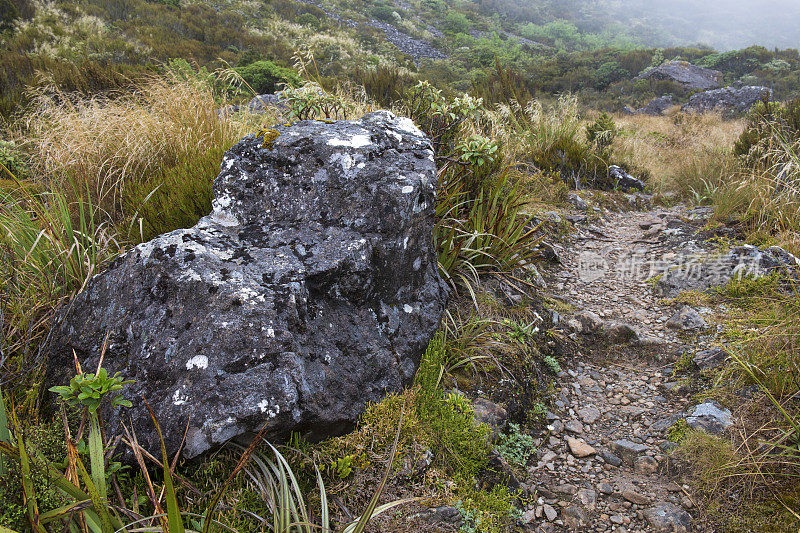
(407, 125)
(198, 361)
(247, 294)
(270, 411)
(408, 189)
(179, 398)
(356, 141)
(408, 309)
(345, 160)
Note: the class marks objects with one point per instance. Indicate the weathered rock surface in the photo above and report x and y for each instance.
(622, 180)
(628, 451)
(691, 77)
(710, 417)
(655, 107)
(711, 358)
(668, 518)
(686, 319)
(309, 291)
(703, 273)
(491, 414)
(728, 99)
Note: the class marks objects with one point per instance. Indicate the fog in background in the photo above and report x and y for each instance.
(723, 24)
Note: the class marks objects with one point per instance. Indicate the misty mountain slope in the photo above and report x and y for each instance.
(723, 24)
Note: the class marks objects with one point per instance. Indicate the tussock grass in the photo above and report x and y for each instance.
(102, 146)
(758, 463)
(684, 153)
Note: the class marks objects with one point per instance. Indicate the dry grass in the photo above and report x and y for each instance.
(101, 146)
(685, 154)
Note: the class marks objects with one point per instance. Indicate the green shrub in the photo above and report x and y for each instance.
(384, 12)
(602, 132)
(516, 447)
(768, 125)
(307, 19)
(456, 22)
(265, 77)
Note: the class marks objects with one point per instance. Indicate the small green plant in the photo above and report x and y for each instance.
(344, 466)
(515, 446)
(89, 391)
(13, 160)
(602, 132)
(477, 151)
(552, 364)
(678, 431)
(521, 332)
(686, 362)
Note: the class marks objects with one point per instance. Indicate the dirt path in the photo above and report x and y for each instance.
(603, 468)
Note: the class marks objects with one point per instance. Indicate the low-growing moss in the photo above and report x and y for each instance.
(487, 511)
(677, 432)
(48, 439)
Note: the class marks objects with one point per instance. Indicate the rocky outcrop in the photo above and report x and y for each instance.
(710, 417)
(693, 273)
(655, 107)
(691, 77)
(309, 291)
(417, 49)
(727, 100)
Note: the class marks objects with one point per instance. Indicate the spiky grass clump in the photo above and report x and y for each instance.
(758, 462)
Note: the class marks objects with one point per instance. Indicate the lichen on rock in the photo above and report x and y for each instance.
(309, 291)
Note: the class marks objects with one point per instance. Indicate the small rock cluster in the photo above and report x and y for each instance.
(600, 468)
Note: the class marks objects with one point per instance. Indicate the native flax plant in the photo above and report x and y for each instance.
(482, 235)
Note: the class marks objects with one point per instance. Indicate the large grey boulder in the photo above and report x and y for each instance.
(691, 77)
(727, 100)
(309, 291)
